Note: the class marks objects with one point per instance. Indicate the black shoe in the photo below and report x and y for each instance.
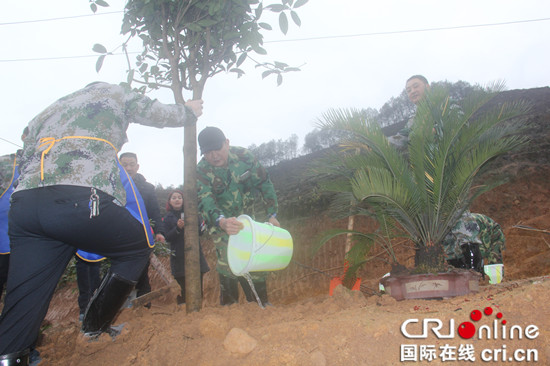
(20, 358)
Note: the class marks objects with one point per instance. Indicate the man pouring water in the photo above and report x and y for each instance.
(232, 182)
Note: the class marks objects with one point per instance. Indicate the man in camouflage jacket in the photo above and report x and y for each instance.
(477, 229)
(72, 195)
(230, 179)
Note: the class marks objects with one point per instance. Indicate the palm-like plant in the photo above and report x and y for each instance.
(426, 188)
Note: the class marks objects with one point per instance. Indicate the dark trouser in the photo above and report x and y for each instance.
(471, 258)
(46, 225)
(4, 266)
(143, 286)
(88, 280)
(229, 290)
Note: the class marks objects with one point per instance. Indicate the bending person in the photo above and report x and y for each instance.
(230, 179)
(73, 194)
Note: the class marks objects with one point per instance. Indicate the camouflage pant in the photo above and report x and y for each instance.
(221, 239)
(479, 229)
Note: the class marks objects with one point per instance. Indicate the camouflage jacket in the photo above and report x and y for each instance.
(479, 229)
(84, 131)
(231, 191)
(401, 138)
(6, 171)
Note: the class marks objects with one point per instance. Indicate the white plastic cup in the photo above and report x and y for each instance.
(258, 247)
(495, 272)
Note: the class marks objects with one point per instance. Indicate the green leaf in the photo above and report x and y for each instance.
(292, 69)
(283, 23)
(299, 3)
(126, 27)
(207, 22)
(277, 8)
(259, 10)
(238, 71)
(143, 67)
(280, 65)
(267, 73)
(130, 77)
(194, 27)
(231, 35)
(259, 50)
(102, 3)
(279, 79)
(265, 26)
(99, 63)
(99, 48)
(93, 7)
(241, 59)
(295, 18)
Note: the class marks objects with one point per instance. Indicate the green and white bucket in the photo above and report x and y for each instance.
(495, 272)
(258, 247)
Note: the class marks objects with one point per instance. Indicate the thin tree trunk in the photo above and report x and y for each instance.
(351, 220)
(193, 295)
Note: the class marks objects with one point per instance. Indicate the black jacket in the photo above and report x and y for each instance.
(147, 191)
(176, 240)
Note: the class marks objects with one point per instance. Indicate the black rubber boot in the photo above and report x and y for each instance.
(472, 257)
(229, 290)
(20, 358)
(105, 305)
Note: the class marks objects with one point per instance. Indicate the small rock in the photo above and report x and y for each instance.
(347, 298)
(238, 341)
(386, 300)
(318, 358)
(213, 327)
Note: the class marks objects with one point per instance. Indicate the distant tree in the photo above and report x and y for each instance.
(291, 147)
(273, 152)
(396, 110)
(320, 139)
(370, 113)
(459, 90)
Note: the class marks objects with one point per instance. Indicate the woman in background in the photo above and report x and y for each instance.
(174, 225)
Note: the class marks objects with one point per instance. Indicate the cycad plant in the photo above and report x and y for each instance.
(420, 191)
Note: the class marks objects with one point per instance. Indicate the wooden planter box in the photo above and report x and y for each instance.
(429, 286)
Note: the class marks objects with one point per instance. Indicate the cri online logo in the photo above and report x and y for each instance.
(467, 330)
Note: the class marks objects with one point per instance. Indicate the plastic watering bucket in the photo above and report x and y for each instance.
(380, 285)
(258, 247)
(495, 272)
